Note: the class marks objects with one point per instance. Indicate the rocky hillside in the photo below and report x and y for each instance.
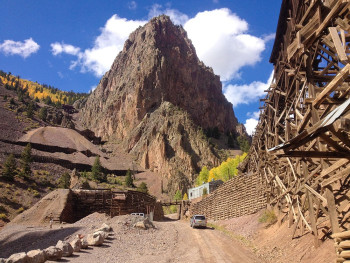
(157, 72)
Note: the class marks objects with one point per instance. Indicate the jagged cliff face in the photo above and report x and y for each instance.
(157, 70)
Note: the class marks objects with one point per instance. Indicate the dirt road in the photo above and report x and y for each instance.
(171, 241)
(208, 245)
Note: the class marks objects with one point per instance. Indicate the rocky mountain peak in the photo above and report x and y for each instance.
(158, 64)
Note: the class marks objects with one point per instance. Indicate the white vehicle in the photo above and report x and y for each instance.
(138, 214)
(198, 221)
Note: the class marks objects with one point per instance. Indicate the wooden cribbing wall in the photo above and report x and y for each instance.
(239, 196)
(301, 147)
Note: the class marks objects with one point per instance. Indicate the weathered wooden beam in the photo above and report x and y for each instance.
(313, 219)
(314, 154)
(338, 45)
(336, 177)
(324, 200)
(332, 210)
(338, 79)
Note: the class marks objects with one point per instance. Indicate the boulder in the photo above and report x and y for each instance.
(105, 228)
(140, 224)
(76, 244)
(84, 244)
(144, 224)
(95, 239)
(53, 253)
(18, 258)
(66, 248)
(102, 233)
(148, 223)
(36, 256)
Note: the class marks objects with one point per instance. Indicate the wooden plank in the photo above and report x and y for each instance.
(336, 177)
(334, 167)
(338, 45)
(304, 121)
(324, 200)
(313, 219)
(338, 6)
(338, 79)
(313, 154)
(332, 210)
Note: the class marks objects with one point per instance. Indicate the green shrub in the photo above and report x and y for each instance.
(143, 188)
(3, 217)
(64, 181)
(19, 210)
(269, 217)
(173, 209)
(35, 193)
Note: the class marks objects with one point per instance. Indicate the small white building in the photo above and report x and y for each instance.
(198, 191)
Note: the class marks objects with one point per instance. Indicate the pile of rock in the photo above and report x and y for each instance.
(62, 248)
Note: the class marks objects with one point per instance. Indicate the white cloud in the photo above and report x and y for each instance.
(247, 93)
(132, 5)
(23, 49)
(92, 88)
(254, 115)
(269, 37)
(58, 48)
(250, 125)
(220, 37)
(59, 73)
(176, 16)
(107, 45)
(252, 122)
(222, 42)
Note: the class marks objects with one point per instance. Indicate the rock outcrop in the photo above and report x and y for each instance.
(157, 97)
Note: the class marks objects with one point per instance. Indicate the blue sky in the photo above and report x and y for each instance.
(70, 44)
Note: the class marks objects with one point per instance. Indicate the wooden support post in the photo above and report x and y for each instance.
(332, 210)
(313, 218)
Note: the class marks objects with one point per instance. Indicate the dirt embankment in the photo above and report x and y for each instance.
(275, 243)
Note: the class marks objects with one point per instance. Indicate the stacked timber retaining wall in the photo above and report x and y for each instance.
(242, 195)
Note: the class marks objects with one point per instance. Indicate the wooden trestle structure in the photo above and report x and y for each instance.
(301, 147)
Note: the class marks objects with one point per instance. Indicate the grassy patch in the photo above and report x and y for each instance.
(269, 217)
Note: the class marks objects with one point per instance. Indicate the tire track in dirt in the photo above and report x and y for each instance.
(209, 245)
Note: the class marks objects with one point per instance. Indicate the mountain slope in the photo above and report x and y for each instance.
(157, 71)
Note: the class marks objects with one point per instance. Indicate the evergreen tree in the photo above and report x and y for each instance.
(178, 195)
(9, 170)
(64, 181)
(30, 110)
(129, 182)
(243, 143)
(26, 159)
(43, 113)
(96, 170)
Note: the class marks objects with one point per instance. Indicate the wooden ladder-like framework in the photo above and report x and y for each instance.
(301, 147)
